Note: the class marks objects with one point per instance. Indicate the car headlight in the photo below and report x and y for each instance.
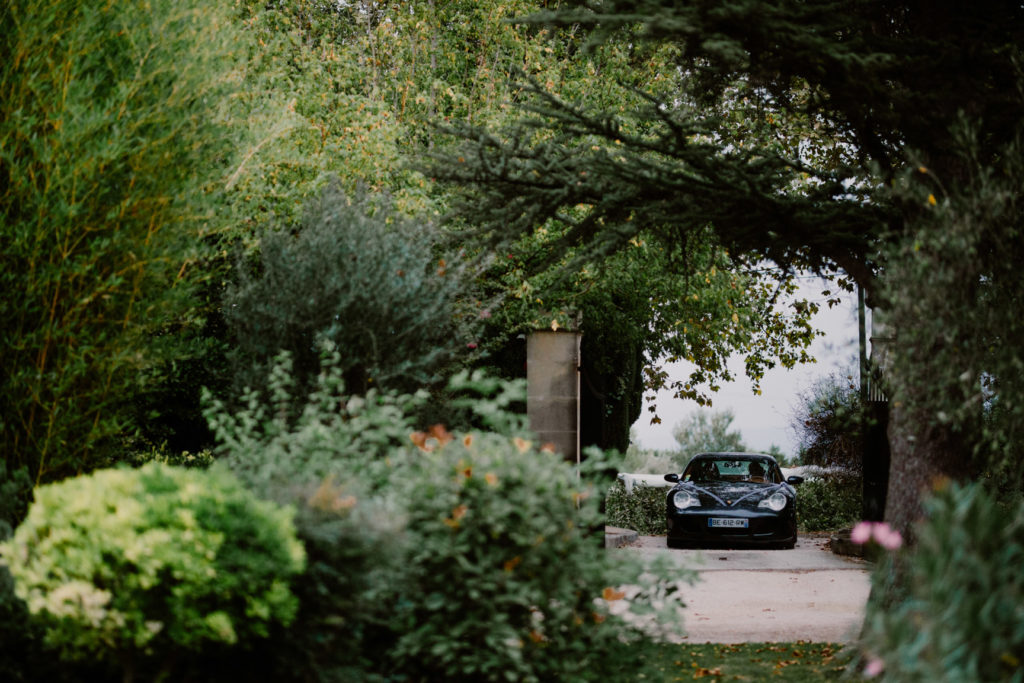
(683, 499)
(775, 502)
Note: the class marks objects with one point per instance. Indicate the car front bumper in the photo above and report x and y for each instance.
(764, 528)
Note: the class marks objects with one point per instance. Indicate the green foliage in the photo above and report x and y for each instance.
(291, 441)
(829, 424)
(784, 460)
(133, 566)
(642, 460)
(829, 501)
(15, 497)
(509, 583)
(706, 433)
(200, 460)
(948, 609)
(642, 510)
(961, 250)
(23, 656)
(111, 128)
(361, 277)
(433, 555)
(929, 226)
(356, 574)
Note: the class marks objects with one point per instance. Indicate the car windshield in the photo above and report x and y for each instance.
(707, 470)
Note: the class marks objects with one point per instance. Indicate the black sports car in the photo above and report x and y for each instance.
(732, 499)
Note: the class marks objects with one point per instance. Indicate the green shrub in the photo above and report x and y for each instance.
(951, 608)
(365, 278)
(357, 572)
(508, 583)
(832, 501)
(642, 510)
(434, 557)
(136, 566)
(294, 442)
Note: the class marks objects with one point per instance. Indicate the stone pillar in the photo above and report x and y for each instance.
(553, 389)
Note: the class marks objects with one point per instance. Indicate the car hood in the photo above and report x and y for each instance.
(735, 493)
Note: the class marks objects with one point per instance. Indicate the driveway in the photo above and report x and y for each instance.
(807, 593)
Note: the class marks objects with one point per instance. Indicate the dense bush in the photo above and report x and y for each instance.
(136, 567)
(642, 509)
(435, 556)
(360, 275)
(951, 608)
(829, 501)
(509, 583)
(294, 442)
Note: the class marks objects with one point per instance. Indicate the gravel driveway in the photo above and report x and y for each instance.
(807, 593)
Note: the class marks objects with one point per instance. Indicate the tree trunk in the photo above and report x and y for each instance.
(922, 456)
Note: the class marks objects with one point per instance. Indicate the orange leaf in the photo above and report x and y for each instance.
(442, 435)
(420, 439)
(610, 594)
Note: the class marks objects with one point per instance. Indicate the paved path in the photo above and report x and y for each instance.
(808, 593)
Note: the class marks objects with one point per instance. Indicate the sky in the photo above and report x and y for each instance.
(764, 420)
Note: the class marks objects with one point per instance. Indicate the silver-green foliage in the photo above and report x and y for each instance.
(124, 564)
(704, 432)
(358, 274)
(951, 608)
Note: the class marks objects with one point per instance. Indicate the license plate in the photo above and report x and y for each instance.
(727, 522)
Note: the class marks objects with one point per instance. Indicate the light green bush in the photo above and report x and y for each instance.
(951, 608)
(643, 509)
(134, 565)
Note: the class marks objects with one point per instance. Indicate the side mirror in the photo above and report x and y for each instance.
(794, 480)
(674, 478)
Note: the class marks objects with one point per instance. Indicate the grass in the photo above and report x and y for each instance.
(717, 662)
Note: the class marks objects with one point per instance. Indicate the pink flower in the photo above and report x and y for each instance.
(485, 313)
(887, 537)
(874, 667)
(882, 533)
(471, 345)
(861, 533)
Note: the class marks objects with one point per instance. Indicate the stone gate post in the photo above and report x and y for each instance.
(553, 388)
